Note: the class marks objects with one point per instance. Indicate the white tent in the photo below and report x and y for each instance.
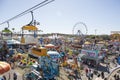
(13, 41)
(52, 52)
(49, 46)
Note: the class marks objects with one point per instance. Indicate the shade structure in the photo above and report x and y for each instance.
(53, 54)
(30, 27)
(87, 43)
(13, 41)
(4, 67)
(101, 42)
(50, 46)
(39, 51)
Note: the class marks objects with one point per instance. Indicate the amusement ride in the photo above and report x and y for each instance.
(46, 68)
(79, 31)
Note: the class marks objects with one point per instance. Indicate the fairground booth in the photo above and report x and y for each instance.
(90, 57)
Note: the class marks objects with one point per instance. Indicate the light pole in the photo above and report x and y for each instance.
(95, 33)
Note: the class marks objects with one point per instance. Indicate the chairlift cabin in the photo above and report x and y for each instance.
(31, 27)
(6, 34)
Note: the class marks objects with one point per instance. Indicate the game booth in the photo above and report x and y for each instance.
(90, 57)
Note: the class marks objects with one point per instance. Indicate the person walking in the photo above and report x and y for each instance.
(91, 73)
(14, 76)
(108, 66)
(86, 71)
(98, 77)
(102, 75)
(105, 79)
(9, 76)
(4, 77)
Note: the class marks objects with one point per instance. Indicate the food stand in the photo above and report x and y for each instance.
(90, 57)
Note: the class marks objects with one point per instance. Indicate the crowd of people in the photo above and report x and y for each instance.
(75, 72)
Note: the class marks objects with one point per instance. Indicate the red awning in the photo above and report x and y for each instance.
(4, 67)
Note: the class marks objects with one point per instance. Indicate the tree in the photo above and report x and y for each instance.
(105, 37)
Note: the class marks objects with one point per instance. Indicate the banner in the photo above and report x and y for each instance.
(91, 53)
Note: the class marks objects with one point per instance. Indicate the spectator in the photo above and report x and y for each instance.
(102, 75)
(4, 78)
(98, 77)
(91, 73)
(9, 77)
(117, 78)
(105, 79)
(108, 66)
(14, 76)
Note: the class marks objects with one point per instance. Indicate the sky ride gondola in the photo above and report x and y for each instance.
(29, 27)
(6, 33)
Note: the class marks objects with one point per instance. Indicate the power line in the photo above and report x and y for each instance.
(45, 2)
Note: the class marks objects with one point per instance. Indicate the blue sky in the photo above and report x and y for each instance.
(61, 15)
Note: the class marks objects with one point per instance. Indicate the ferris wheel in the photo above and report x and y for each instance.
(80, 29)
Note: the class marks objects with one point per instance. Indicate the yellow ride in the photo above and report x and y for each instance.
(39, 51)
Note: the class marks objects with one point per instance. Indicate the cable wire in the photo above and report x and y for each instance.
(45, 2)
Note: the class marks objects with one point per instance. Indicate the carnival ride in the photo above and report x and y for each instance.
(54, 55)
(49, 68)
(6, 33)
(40, 51)
(46, 67)
(30, 27)
(79, 31)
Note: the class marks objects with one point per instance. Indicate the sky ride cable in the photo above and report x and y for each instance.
(45, 2)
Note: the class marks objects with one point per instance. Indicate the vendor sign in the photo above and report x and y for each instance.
(91, 53)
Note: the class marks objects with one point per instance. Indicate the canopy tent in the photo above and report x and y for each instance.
(50, 46)
(4, 67)
(101, 42)
(81, 55)
(13, 41)
(87, 43)
(69, 61)
(53, 54)
(31, 27)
